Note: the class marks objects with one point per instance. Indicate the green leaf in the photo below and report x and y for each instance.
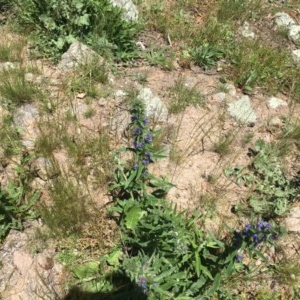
(133, 215)
(87, 270)
(113, 258)
(84, 20)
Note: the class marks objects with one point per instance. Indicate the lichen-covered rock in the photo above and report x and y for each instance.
(242, 111)
(78, 54)
(282, 19)
(294, 33)
(154, 107)
(130, 11)
(274, 102)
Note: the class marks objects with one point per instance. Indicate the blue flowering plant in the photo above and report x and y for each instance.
(132, 180)
(252, 237)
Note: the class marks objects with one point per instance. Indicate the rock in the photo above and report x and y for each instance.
(276, 122)
(26, 117)
(28, 276)
(120, 93)
(7, 66)
(294, 33)
(22, 261)
(154, 107)
(29, 77)
(296, 56)
(292, 222)
(246, 32)
(282, 19)
(43, 168)
(78, 54)
(242, 111)
(130, 11)
(231, 89)
(219, 97)
(274, 102)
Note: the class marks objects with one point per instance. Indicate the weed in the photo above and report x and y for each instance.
(272, 192)
(85, 78)
(67, 212)
(239, 10)
(165, 247)
(10, 136)
(206, 56)
(141, 77)
(162, 57)
(64, 22)
(182, 96)
(255, 64)
(288, 272)
(11, 50)
(17, 200)
(89, 113)
(16, 88)
(223, 146)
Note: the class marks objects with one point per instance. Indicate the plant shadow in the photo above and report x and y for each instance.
(123, 289)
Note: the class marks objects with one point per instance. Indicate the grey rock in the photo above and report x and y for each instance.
(294, 33)
(274, 102)
(242, 111)
(130, 11)
(43, 168)
(78, 54)
(154, 107)
(282, 19)
(292, 222)
(26, 117)
(296, 56)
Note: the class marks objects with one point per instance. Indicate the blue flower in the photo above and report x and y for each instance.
(146, 121)
(137, 131)
(138, 146)
(260, 225)
(135, 166)
(133, 118)
(149, 155)
(247, 227)
(145, 162)
(239, 258)
(148, 138)
(255, 236)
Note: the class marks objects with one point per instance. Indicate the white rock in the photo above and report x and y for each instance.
(246, 32)
(242, 111)
(294, 33)
(120, 93)
(282, 19)
(274, 102)
(292, 222)
(219, 97)
(78, 54)
(153, 105)
(130, 11)
(296, 55)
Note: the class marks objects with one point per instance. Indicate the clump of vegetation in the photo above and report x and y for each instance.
(17, 200)
(55, 24)
(182, 96)
(272, 192)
